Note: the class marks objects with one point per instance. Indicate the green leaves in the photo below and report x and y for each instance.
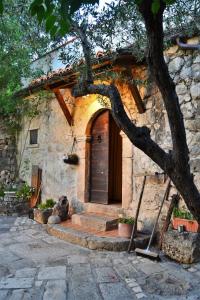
(155, 6)
(169, 2)
(20, 41)
(1, 6)
(138, 2)
(56, 15)
(50, 22)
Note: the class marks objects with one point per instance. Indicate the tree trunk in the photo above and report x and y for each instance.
(175, 163)
(180, 173)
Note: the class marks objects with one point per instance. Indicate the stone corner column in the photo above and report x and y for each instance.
(127, 171)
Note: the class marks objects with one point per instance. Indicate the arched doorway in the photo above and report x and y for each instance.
(104, 165)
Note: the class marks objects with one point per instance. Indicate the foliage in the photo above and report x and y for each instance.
(57, 14)
(2, 193)
(48, 204)
(24, 192)
(20, 42)
(119, 25)
(182, 214)
(125, 220)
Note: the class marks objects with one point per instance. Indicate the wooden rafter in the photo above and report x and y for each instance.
(63, 106)
(135, 93)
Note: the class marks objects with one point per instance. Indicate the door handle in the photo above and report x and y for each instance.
(99, 138)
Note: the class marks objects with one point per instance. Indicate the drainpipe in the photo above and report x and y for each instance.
(185, 46)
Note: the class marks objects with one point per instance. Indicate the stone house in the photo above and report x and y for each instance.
(110, 170)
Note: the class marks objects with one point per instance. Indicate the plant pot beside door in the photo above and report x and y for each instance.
(44, 211)
(125, 227)
(185, 220)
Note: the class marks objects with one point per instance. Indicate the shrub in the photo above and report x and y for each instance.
(182, 214)
(127, 220)
(25, 192)
(48, 204)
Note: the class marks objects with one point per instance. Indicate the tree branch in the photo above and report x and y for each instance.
(139, 136)
(159, 70)
(81, 32)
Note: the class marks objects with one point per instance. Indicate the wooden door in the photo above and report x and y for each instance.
(36, 181)
(99, 159)
(105, 160)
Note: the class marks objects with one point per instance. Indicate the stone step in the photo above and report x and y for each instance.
(94, 242)
(95, 221)
(108, 210)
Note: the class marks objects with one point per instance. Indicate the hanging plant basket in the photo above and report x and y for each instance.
(71, 159)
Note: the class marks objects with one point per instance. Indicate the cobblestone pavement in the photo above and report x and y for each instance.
(34, 265)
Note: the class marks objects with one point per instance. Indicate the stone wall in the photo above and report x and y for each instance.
(184, 67)
(56, 138)
(10, 205)
(8, 162)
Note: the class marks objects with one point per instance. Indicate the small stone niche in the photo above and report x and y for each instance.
(183, 247)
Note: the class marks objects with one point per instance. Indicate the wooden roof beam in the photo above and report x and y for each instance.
(63, 106)
(135, 93)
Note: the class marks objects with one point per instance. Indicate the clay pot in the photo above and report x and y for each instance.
(189, 225)
(125, 230)
(41, 216)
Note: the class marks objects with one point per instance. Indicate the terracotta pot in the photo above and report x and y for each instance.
(189, 225)
(41, 216)
(125, 230)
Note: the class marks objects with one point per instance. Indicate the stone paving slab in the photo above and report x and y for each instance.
(84, 290)
(58, 272)
(3, 294)
(26, 272)
(117, 291)
(106, 274)
(16, 283)
(55, 289)
(16, 295)
(77, 259)
(36, 266)
(82, 273)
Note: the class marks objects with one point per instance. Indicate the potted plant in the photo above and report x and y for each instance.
(125, 226)
(44, 211)
(71, 159)
(184, 219)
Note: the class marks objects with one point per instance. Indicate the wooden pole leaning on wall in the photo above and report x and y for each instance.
(174, 202)
(133, 234)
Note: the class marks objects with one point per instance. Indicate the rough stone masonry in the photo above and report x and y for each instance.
(55, 138)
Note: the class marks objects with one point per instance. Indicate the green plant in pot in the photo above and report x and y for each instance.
(46, 205)
(125, 226)
(184, 219)
(44, 211)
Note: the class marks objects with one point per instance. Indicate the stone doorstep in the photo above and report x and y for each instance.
(95, 221)
(94, 242)
(108, 210)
